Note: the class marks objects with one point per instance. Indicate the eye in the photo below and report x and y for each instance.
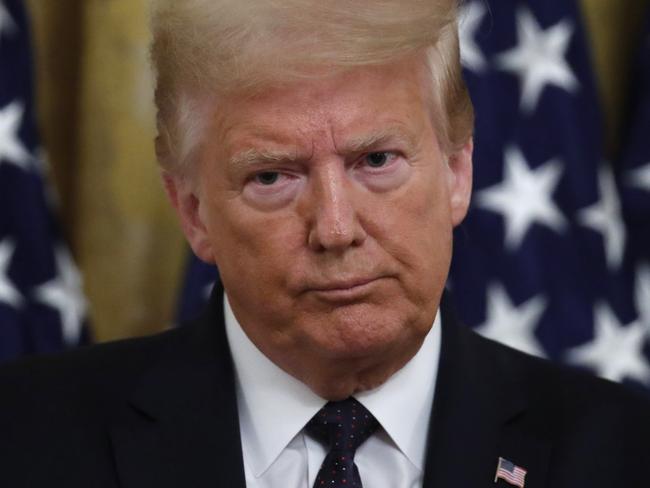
(379, 159)
(382, 170)
(267, 178)
(271, 189)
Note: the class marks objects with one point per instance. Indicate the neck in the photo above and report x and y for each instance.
(337, 379)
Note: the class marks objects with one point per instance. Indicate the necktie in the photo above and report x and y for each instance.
(342, 426)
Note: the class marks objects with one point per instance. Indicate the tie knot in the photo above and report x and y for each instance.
(343, 425)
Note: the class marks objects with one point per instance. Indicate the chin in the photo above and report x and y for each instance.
(366, 333)
(354, 350)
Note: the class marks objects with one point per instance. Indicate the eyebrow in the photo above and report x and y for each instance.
(253, 156)
(390, 134)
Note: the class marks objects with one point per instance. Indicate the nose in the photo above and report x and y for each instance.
(335, 225)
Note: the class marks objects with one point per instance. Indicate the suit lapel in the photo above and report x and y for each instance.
(481, 412)
(181, 426)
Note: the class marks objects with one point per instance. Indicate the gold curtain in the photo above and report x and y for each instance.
(95, 94)
(615, 34)
(94, 91)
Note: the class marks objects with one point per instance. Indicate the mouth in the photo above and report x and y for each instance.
(345, 290)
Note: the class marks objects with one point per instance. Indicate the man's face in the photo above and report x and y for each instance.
(328, 206)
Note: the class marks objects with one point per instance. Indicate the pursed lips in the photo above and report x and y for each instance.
(343, 284)
(345, 290)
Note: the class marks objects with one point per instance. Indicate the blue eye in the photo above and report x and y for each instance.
(378, 159)
(267, 177)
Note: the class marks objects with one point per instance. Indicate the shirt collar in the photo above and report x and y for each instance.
(274, 406)
(402, 404)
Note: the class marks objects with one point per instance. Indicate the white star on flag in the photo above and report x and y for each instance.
(539, 59)
(470, 18)
(12, 149)
(605, 217)
(616, 352)
(9, 294)
(64, 293)
(207, 290)
(639, 177)
(524, 197)
(513, 325)
(642, 294)
(7, 24)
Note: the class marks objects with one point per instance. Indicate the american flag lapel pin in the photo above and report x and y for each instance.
(510, 473)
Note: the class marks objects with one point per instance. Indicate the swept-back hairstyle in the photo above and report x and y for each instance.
(204, 49)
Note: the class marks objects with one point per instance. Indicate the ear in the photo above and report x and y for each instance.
(185, 200)
(460, 181)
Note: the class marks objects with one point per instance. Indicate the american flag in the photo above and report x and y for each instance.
(42, 308)
(542, 262)
(507, 471)
(197, 285)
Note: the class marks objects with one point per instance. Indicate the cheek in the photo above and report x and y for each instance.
(253, 256)
(419, 233)
(248, 242)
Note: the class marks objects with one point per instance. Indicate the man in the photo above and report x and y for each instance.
(320, 154)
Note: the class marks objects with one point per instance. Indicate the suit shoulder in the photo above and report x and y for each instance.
(99, 374)
(576, 390)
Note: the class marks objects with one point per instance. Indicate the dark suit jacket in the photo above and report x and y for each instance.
(160, 412)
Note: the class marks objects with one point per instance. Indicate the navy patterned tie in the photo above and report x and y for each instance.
(342, 426)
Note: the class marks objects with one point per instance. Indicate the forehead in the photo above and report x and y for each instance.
(363, 102)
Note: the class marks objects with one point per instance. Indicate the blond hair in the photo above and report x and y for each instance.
(207, 48)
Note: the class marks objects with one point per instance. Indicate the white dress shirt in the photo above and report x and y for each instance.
(274, 407)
